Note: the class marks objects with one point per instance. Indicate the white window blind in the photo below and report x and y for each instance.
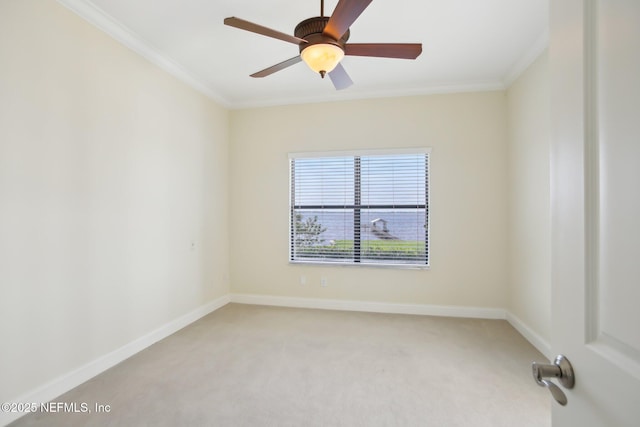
(368, 208)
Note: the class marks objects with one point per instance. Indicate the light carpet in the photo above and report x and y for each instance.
(247, 365)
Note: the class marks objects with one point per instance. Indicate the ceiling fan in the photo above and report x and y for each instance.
(323, 42)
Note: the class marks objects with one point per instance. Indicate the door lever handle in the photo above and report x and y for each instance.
(561, 370)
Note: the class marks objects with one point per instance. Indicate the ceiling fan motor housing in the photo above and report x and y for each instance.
(311, 30)
(322, 42)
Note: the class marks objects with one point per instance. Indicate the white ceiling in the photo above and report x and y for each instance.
(467, 45)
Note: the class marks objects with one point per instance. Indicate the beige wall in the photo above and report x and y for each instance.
(109, 168)
(529, 196)
(468, 196)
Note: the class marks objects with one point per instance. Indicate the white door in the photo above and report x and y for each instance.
(595, 89)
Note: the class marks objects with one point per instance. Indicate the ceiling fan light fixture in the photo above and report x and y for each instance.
(322, 57)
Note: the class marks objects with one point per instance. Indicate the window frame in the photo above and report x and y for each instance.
(358, 207)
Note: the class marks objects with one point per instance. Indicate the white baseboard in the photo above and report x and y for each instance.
(61, 385)
(536, 340)
(420, 309)
(368, 306)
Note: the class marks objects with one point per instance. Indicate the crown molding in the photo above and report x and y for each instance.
(118, 31)
(444, 88)
(101, 20)
(541, 43)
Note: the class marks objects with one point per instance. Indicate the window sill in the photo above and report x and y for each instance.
(363, 265)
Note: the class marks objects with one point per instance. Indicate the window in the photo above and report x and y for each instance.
(368, 208)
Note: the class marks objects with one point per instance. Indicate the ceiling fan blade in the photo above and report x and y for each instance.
(274, 68)
(384, 50)
(259, 29)
(345, 14)
(340, 78)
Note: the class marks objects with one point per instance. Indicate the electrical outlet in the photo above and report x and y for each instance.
(303, 280)
(323, 282)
